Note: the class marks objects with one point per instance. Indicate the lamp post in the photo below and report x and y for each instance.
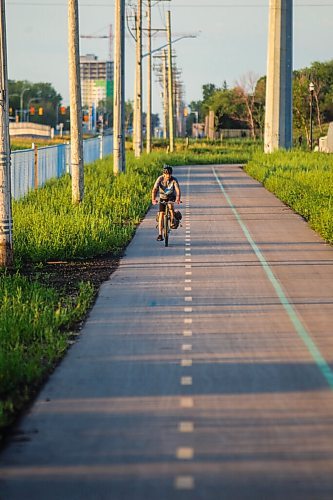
(311, 90)
(21, 102)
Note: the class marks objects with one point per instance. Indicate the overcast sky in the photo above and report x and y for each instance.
(231, 41)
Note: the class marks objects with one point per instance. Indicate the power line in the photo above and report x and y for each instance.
(202, 5)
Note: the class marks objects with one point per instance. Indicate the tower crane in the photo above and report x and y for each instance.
(109, 36)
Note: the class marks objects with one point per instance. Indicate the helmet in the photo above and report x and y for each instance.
(167, 169)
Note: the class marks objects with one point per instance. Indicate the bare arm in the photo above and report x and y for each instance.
(178, 192)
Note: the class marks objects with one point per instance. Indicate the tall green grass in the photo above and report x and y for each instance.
(302, 180)
(33, 320)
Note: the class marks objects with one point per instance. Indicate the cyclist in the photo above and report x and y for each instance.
(168, 188)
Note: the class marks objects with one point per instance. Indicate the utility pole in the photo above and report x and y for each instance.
(170, 84)
(138, 84)
(75, 103)
(278, 118)
(119, 89)
(6, 222)
(165, 94)
(149, 88)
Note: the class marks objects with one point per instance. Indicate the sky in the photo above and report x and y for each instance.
(231, 39)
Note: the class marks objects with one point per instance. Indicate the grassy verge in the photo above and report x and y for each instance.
(302, 180)
(33, 323)
(35, 319)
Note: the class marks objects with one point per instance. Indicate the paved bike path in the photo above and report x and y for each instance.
(204, 370)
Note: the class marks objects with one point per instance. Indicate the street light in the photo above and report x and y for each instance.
(311, 90)
(21, 101)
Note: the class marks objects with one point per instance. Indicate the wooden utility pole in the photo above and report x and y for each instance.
(138, 84)
(6, 222)
(170, 85)
(119, 89)
(149, 75)
(75, 103)
(165, 94)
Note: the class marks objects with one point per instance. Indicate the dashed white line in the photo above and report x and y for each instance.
(186, 363)
(186, 402)
(187, 347)
(186, 427)
(188, 321)
(184, 483)
(186, 381)
(188, 299)
(185, 453)
(188, 289)
(187, 333)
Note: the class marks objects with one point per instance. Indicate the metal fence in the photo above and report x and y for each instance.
(31, 168)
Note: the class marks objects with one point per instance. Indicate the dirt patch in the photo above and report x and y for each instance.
(65, 276)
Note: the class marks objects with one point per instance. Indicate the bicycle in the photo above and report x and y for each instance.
(166, 222)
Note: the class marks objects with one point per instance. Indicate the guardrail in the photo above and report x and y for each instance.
(31, 168)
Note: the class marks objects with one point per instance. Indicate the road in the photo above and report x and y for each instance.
(204, 370)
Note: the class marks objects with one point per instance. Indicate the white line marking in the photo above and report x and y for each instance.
(187, 333)
(188, 309)
(188, 281)
(188, 266)
(188, 289)
(188, 321)
(186, 402)
(186, 381)
(184, 483)
(185, 363)
(187, 347)
(185, 453)
(188, 299)
(186, 427)
(188, 273)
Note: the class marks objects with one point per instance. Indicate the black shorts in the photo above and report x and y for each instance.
(162, 205)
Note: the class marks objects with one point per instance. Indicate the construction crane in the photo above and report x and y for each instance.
(109, 36)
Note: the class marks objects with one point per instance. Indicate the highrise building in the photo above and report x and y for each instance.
(96, 80)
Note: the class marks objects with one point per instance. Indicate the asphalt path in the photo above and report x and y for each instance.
(204, 370)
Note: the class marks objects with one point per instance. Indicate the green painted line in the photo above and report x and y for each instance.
(294, 318)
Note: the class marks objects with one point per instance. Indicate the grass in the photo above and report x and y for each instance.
(33, 324)
(302, 180)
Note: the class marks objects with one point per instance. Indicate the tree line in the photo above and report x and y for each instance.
(243, 106)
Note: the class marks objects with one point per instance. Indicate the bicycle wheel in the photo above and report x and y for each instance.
(166, 226)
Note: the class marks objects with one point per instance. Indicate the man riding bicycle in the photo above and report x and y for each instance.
(168, 188)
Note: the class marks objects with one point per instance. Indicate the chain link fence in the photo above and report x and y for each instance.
(31, 168)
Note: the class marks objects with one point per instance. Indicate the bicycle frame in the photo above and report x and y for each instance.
(166, 222)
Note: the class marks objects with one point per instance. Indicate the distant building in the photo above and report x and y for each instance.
(96, 80)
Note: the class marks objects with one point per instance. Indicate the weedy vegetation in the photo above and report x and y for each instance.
(302, 180)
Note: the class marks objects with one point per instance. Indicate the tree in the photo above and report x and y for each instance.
(39, 95)
(301, 103)
(208, 90)
(129, 111)
(245, 92)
